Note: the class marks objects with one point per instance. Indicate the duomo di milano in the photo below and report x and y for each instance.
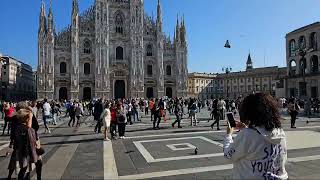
(112, 50)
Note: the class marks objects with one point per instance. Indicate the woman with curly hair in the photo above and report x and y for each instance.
(259, 151)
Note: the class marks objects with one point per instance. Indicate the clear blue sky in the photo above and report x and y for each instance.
(258, 26)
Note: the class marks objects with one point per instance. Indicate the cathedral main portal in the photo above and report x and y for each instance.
(119, 89)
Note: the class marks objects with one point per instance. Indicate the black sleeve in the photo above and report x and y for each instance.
(13, 129)
(35, 124)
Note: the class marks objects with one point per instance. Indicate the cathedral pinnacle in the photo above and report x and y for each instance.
(42, 18)
(177, 39)
(50, 18)
(159, 16)
(75, 7)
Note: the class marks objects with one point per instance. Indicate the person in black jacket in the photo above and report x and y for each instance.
(72, 114)
(98, 109)
(35, 126)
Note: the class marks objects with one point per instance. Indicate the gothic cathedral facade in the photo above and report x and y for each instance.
(112, 50)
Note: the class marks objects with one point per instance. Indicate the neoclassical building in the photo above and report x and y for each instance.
(235, 84)
(112, 50)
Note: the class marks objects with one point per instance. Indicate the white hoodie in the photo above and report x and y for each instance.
(257, 154)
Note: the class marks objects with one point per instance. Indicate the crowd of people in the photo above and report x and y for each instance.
(258, 112)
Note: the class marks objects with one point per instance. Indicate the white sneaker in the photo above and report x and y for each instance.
(49, 132)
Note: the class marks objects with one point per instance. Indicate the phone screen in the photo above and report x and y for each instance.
(231, 120)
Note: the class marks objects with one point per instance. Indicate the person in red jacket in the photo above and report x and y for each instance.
(113, 124)
(8, 113)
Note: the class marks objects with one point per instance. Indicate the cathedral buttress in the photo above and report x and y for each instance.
(137, 62)
(160, 49)
(42, 32)
(102, 27)
(74, 88)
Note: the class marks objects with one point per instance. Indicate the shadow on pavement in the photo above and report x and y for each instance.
(65, 135)
(73, 142)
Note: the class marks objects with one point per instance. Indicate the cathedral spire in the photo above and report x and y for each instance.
(159, 16)
(249, 62)
(177, 39)
(42, 18)
(50, 18)
(75, 7)
(182, 30)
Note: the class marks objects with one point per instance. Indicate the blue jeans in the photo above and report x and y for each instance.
(45, 117)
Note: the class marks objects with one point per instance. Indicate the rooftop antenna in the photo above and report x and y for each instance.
(264, 57)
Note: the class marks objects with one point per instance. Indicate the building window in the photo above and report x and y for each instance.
(63, 68)
(149, 50)
(303, 66)
(87, 47)
(292, 47)
(119, 53)
(86, 68)
(302, 42)
(292, 68)
(149, 70)
(313, 41)
(168, 70)
(119, 22)
(314, 64)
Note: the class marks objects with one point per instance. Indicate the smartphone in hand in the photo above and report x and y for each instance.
(231, 119)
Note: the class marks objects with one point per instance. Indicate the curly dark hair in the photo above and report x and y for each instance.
(260, 110)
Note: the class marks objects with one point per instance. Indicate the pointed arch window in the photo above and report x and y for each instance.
(119, 53)
(168, 70)
(119, 22)
(63, 68)
(87, 47)
(149, 50)
(149, 70)
(86, 68)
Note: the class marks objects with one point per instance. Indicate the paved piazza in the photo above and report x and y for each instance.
(78, 153)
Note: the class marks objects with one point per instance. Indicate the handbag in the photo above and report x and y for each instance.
(39, 150)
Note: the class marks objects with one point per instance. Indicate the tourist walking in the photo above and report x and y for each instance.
(156, 116)
(192, 113)
(152, 108)
(25, 145)
(178, 113)
(113, 124)
(54, 112)
(72, 114)
(146, 107)
(293, 110)
(46, 115)
(129, 113)
(79, 113)
(259, 150)
(135, 111)
(121, 120)
(98, 109)
(106, 119)
(8, 113)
